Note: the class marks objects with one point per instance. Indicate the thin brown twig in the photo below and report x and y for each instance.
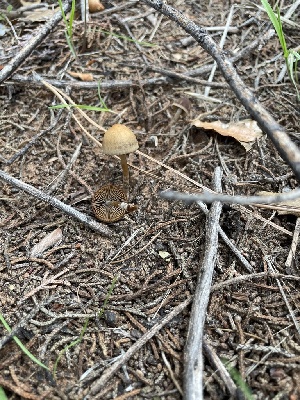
(25, 395)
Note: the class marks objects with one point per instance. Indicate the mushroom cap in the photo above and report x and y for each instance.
(183, 103)
(118, 140)
(95, 6)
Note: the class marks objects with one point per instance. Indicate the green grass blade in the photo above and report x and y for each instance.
(72, 344)
(70, 44)
(20, 344)
(100, 98)
(2, 394)
(281, 36)
(69, 25)
(276, 21)
(271, 15)
(240, 383)
(71, 19)
(112, 286)
(62, 12)
(292, 62)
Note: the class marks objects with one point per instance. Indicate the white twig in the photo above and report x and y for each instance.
(223, 198)
(222, 42)
(193, 358)
(293, 248)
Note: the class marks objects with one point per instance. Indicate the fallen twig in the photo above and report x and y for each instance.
(112, 85)
(193, 358)
(226, 239)
(245, 200)
(292, 253)
(110, 371)
(161, 80)
(219, 366)
(286, 148)
(37, 38)
(31, 190)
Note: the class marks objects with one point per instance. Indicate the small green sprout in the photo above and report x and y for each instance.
(291, 56)
(237, 378)
(20, 344)
(69, 25)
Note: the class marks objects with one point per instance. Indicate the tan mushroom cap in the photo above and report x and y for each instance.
(119, 139)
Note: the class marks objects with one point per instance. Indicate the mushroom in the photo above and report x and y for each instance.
(109, 203)
(95, 6)
(182, 104)
(119, 140)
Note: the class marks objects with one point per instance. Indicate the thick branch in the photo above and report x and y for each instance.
(286, 148)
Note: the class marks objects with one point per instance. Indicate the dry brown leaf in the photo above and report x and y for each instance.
(81, 75)
(245, 131)
(40, 14)
(48, 241)
(95, 6)
(291, 207)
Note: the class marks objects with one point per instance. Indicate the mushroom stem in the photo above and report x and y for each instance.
(176, 116)
(125, 169)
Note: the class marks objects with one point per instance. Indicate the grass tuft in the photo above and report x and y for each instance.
(69, 25)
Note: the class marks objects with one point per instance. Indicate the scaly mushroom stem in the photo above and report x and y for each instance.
(125, 169)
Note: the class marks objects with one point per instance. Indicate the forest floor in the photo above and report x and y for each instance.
(150, 261)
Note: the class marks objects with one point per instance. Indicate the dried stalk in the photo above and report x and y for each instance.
(193, 358)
